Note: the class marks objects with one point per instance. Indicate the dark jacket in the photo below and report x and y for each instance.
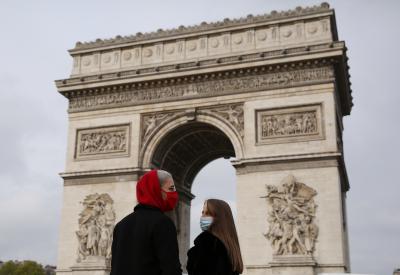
(145, 243)
(208, 256)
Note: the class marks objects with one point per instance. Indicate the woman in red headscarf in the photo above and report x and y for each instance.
(145, 242)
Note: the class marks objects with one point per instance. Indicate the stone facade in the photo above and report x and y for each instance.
(268, 90)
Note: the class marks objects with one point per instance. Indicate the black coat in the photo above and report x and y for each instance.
(145, 243)
(208, 256)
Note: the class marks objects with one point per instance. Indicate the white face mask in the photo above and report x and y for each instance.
(205, 222)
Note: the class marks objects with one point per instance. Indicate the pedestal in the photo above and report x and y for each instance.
(92, 265)
(292, 265)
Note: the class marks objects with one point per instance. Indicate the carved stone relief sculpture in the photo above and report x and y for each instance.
(291, 218)
(151, 121)
(289, 124)
(111, 140)
(233, 114)
(206, 87)
(96, 225)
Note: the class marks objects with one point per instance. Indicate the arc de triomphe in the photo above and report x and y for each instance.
(269, 91)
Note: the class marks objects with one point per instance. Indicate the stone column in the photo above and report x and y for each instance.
(290, 218)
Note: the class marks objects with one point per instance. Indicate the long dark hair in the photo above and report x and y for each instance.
(223, 227)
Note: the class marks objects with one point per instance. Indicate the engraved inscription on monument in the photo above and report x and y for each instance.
(108, 141)
(96, 225)
(289, 124)
(292, 229)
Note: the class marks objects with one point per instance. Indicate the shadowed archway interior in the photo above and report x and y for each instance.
(183, 152)
(187, 149)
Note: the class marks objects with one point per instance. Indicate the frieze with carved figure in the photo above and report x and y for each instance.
(106, 141)
(289, 124)
(96, 225)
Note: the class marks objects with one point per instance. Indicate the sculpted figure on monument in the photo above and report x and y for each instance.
(292, 228)
(234, 114)
(82, 235)
(93, 238)
(96, 224)
(151, 122)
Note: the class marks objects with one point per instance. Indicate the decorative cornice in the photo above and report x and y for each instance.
(103, 172)
(151, 77)
(64, 84)
(291, 162)
(241, 163)
(229, 82)
(98, 179)
(204, 26)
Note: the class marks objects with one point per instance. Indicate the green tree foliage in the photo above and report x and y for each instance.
(22, 268)
(8, 268)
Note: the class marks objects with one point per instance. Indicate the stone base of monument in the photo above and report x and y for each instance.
(292, 265)
(92, 265)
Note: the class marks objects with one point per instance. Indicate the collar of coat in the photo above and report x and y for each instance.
(146, 207)
(206, 237)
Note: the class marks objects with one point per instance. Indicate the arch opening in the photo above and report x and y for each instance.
(216, 180)
(187, 149)
(184, 151)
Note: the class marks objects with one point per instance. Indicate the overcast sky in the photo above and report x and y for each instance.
(35, 36)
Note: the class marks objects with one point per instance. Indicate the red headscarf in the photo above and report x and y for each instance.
(148, 192)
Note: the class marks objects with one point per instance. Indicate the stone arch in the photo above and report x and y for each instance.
(183, 144)
(150, 145)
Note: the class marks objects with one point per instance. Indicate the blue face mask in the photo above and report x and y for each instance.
(205, 222)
